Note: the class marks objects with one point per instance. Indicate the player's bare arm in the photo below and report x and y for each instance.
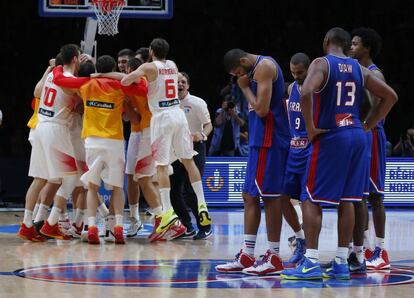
(110, 75)
(316, 78)
(382, 91)
(147, 70)
(39, 86)
(265, 75)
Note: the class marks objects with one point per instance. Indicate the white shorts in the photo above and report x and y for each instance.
(145, 164)
(132, 152)
(52, 155)
(78, 147)
(31, 136)
(105, 159)
(170, 137)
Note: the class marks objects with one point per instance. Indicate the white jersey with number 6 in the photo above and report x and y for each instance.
(163, 92)
(55, 105)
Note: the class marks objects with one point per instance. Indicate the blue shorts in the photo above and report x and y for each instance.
(377, 170)
(265, 171)
(294, 184)
(295, 180)
(337, 167)
(368, 154)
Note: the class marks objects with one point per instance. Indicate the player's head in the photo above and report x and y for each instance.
(183, 84)
(133, 64)
(70, 55)
(158, 48)
(86, 69)
(337, 37)
(123, 56)
(299, 64)
(142, 54)
(236, 62)
(58, 60)
(365, 42)
(105, 64)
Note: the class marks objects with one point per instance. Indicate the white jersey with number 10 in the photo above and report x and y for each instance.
(163, 92)
(55, 105)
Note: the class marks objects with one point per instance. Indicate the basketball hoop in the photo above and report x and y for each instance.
(107, 13)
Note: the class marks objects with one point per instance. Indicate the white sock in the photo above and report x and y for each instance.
(27, 219)
(80, 213)
(350, 248)
(359, 251)
(298, 210)
(119, 220)
(274, 246)
(85, 219)
(41, 213)
(92, 221)
(36, 208)
(103, 210)
(63, 216)
(157, 211)
(342, 254)
(312, 254)
(165, 199)
(380, 242)
(54, 216)
(367, 243)
(300, 234)
(198, 189)
(249, 244)
(133, 211)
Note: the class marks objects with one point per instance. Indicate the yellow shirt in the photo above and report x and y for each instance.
(33, 120)
(141, 104)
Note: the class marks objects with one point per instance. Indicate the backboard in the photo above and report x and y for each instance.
(141, 9)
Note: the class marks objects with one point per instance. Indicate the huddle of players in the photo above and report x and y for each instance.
(77, 141)
(328, 149)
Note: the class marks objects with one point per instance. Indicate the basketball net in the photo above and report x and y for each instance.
(107, 13)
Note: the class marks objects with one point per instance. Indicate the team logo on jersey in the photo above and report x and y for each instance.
(187, 109)
(46, 113)
(168, 103)
(100, 104)
(216, 182)
(344, 120)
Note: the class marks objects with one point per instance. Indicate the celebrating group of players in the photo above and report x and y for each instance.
(77, 141)
(328, 149)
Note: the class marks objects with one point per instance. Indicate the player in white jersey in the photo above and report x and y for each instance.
(170, 135)
(53, 150)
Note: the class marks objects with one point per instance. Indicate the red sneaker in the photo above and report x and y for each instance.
(30, 234)
(379, 260)
(119, 235)
(53, 231)
(272, 264)
(93, 235)
(368, 253)
(242, 261)
(154, 235)
(174, 231)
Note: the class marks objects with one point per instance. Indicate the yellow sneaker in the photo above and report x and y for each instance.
(166, 220)
(203, 216)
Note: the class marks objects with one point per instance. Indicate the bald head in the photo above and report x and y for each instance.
(339, 37)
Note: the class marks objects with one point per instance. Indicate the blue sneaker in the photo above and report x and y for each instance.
(337, 270)
(299, 251)
(306, 269)
(355, 266)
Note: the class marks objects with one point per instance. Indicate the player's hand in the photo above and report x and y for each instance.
(96, 75)
(314, 132)
(52, 62)
(197, 137)
(243, 81)
(85, 57)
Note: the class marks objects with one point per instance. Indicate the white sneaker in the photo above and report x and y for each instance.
(241, 262)
(272, 264)
(109, 228)
(134, 227)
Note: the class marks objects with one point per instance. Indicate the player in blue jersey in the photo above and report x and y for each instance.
(261, 81)
(298, 153)
(330, 100)
(366, 45)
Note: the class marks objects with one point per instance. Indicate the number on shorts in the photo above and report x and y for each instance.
(351, 93)
(170, 89)
(50, 96)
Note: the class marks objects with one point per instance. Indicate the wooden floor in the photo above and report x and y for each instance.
(185, 268)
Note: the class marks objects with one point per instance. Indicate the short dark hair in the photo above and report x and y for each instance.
(58, 60)
(68, 52)
(339, 37)
(300, 58)
(232, 59)
(86, 69)
(186, 76)
(160, 48)
(105, 64)
(370, 39)
(126, 52)
(134, 63)
(144, 52)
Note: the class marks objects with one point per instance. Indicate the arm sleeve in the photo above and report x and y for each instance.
(67, 82)
(136, 89)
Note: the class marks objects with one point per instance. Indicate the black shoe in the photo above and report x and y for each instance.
(189, 234)
(38, 225)
(203, 234)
